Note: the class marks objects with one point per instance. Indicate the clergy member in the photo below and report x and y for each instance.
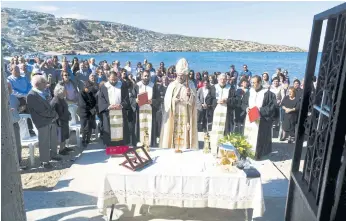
(259, 132)
(146, 113)
(162, 92)
(223, 96)
(113, 101)
(179, 122)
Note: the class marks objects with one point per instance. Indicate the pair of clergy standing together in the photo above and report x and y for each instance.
(224, 100)
(179, 114)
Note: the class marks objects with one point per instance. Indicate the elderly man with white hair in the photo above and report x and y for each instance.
(224, 97)
(92, 65)
(179, 120)
(44, 117)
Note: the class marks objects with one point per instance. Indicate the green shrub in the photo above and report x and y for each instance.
(240, 143)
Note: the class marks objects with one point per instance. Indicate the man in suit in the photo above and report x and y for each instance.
(44, 117)
(204, 107)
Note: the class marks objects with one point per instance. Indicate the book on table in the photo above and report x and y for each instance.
(142, 98)
(254, 114)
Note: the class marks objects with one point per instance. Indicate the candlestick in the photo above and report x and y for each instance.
(206, 148)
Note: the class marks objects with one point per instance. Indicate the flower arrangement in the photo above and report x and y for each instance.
(240, 143)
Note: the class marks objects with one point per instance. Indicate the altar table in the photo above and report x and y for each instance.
(190, 179)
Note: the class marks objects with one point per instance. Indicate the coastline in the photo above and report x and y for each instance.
(52, 53)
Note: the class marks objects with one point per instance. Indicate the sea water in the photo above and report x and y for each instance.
(257, 62)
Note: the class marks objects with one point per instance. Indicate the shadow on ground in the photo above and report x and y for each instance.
(34, 200)
(174, 213)
(281, 151)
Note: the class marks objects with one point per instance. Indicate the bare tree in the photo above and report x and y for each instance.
(12, 204)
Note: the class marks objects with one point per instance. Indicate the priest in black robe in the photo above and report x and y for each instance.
(146, 114)
(224, 92)
(259, 132)
(131, 113)
(161, 88)
(113, 103)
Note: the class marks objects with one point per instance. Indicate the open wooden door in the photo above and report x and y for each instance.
(317, 188)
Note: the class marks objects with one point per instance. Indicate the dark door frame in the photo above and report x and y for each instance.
(323, 191)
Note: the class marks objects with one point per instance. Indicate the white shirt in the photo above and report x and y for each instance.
(128, 69)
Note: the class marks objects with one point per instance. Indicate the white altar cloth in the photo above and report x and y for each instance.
(191, 179)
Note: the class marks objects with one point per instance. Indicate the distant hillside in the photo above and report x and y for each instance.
(29, 31)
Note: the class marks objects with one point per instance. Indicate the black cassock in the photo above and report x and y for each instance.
(155, 106)
(231, 102)
(103, 104)
(162, 91)
(239, 112)
(267, 113)
(131, 114)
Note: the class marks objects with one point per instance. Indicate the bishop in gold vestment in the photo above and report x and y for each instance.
(179, 120)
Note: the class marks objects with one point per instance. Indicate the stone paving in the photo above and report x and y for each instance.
(75, 195)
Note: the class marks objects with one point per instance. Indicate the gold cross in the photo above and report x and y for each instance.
(179, 140)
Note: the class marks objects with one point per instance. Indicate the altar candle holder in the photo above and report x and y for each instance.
(206, 148)
(179, 143)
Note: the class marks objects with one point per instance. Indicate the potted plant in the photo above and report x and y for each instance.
(240, 143)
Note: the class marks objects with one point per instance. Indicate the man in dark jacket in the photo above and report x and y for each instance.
(87, 109)
(44, 118)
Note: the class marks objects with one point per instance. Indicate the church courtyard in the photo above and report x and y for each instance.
(75, 195)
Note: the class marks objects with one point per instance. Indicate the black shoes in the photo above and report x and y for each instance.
(85, 144)
(46, 165)
(291, 140)
(63, 152)
(22, 167)
(56, 158)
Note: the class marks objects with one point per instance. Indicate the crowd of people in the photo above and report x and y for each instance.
(109, 93)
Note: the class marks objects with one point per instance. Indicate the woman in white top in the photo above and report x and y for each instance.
(128, 67)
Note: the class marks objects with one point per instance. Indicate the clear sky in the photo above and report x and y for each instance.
(287, 23)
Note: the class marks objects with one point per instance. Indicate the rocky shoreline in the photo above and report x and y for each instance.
(28, 32)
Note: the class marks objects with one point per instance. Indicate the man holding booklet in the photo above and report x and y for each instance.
(260, 107)
(147, 100)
